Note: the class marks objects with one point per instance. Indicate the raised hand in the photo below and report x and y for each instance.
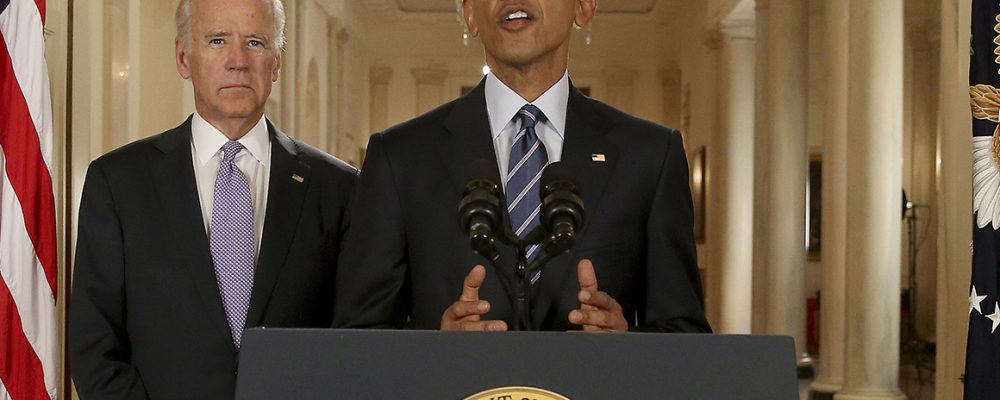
(466, 313)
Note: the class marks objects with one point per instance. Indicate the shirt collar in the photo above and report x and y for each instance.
(208, 140)
(502, 103)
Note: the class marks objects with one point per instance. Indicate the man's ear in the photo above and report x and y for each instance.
(181, 58)
(276, 72)
(585, 10)
(470, 18)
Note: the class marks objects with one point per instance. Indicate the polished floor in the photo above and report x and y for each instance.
(916, 373)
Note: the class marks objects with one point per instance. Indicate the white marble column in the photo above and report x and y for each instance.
(787, 158)
(953, 188)
(287, 85)
(735, 139)
(335, 86)
(430, 87)
(830, 368)
(670, 78)
(378, 80)
(922, 185)
(874, 170)
(620, 87)
(762, 132)
(348, 142)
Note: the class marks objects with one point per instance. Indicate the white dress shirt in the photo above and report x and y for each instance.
(503, 103)
(254, 161)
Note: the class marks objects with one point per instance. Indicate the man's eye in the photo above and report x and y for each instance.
(256, 43)
(216, 42)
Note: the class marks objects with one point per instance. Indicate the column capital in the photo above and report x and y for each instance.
(332, 27)
(714, 39)
(431, 75)
(379, 75)
(739, 28)
(740, 22)
(342, 36)
(619, 75)
(670, 76)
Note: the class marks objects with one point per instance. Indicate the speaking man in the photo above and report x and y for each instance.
(223, 223)
(634, 264)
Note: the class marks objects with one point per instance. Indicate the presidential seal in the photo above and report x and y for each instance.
(517, 393)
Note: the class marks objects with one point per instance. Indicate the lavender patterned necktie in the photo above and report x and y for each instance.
(524, 169)
(232, 239)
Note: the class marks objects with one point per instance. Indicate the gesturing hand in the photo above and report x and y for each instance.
(599, 312)
(465, 314)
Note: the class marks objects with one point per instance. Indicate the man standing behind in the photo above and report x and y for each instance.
(634, 264)
(190, 236)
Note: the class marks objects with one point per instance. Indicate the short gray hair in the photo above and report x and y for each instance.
(184, 28)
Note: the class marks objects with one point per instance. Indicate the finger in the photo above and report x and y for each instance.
(600, 319)
(585, 273)
(470, 288)
(598, 300)
(465, 310)
(480, 326)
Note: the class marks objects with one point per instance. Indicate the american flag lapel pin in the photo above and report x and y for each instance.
(598, 157)
(297, 178)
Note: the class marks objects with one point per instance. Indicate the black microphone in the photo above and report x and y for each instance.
(562, 208)
(479, 212)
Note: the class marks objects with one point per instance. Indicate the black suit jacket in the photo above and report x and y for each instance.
(405, 258)
(146, 319)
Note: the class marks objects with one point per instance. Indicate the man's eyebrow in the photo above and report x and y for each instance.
(211, 34)
(260, 36)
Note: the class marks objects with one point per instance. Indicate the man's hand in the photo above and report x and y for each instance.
(599, 312)
(464, 314)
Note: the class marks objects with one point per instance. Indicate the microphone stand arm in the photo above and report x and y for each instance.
(517, 280)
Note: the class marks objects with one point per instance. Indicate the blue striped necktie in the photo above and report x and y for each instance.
(232, 239)
(524, 170)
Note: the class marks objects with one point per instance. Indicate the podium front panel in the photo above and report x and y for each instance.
(385, 364)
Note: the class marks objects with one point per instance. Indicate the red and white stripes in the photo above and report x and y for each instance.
(29, 343)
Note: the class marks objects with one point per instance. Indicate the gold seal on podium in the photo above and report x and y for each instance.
(517, 393)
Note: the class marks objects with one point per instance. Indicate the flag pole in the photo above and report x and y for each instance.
(67, 387)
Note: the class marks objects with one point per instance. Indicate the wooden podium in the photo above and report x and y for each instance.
(369, 364)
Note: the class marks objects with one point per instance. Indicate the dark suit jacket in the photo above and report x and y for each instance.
(406, 258)
(146, 319)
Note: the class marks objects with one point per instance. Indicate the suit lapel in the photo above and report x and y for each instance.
(468, 138)
(585, 142)
(173, 178)
(285, 195)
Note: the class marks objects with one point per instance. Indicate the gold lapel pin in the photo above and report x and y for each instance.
(297, 178)
(598, 157)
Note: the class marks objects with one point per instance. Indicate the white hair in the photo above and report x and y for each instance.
(184, 28)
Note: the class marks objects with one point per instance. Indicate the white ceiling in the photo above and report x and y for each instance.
(613, 6)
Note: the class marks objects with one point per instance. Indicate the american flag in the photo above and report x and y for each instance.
(982, 364)
(29, 346)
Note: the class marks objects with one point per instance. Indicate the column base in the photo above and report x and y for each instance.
(814, 395)
(870, 395)
(822, 391)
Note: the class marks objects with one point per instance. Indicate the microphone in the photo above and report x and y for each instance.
(562, 207)
(479, 212)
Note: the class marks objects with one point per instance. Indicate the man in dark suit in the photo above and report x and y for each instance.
(634, 263)
(220, 224)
